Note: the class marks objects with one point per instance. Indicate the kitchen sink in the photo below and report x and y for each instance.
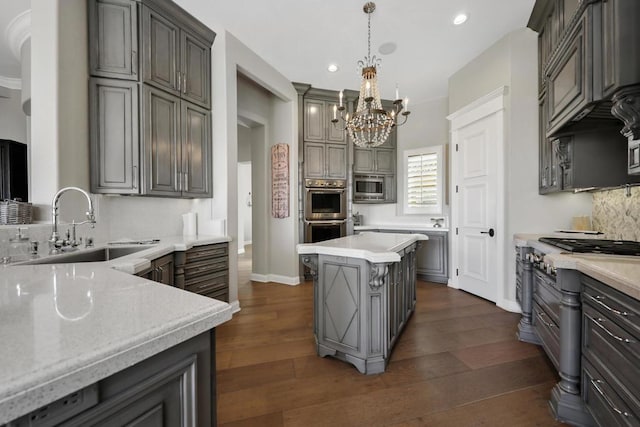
(88, 255)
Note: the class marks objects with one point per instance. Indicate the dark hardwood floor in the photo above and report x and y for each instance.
(457, 363)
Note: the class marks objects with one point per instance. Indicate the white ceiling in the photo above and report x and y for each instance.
(301, 37)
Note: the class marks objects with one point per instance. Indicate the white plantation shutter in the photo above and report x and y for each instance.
(422, 180)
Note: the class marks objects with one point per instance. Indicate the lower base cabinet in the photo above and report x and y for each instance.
(204, 270)
(161, 270)
(173, 388)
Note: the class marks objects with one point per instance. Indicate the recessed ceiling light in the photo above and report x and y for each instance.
(460, 19)
(332, 68)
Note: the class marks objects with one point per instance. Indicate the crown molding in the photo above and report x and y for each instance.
(11, 83)
(18, 31)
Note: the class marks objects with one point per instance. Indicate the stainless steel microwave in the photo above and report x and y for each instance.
(368, 187)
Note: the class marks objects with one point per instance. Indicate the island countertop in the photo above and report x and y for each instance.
(66, 326)
(374, 247)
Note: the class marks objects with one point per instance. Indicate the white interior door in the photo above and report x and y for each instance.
(476, 201)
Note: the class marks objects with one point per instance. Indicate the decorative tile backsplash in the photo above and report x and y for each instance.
(617, 215)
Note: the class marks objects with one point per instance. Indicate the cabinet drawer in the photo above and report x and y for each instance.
(604, 404)
(220, 295)
(548, 332)
(546, 294)
(205, 267)
(204, 283)
(612, 350)
(619, 307)
(202, 252)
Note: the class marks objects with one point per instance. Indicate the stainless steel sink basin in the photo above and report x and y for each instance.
(88, 255)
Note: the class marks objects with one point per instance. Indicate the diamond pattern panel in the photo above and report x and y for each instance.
(341, 296)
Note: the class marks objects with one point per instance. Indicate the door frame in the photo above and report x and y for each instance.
(493, 103)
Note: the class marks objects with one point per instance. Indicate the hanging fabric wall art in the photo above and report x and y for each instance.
(280, 181)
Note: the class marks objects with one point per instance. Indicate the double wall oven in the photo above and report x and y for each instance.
(325, 209)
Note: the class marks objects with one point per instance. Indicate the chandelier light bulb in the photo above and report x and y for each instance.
(461, 18)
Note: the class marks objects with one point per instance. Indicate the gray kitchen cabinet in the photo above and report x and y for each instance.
(374, 160)
(325, 161)
(161, 270)
(363, 160)
(113, 39)
(432, 257)
(317, 121)
(385, 160)
(175, 59)
(589, 62)
(204, 270)
(169, 153)
(569, 87)
(610, 357)
(114, 148)
(176, 150)
(173, 388)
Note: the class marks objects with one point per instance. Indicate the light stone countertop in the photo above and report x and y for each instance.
(374, 247)
(66, 326)
(619, 272)
(400, 226)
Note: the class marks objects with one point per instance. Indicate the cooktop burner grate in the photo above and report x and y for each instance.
(600, 246)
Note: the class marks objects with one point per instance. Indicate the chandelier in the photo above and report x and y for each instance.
(371, 124)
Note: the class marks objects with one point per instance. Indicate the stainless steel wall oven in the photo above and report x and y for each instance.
(325, 200)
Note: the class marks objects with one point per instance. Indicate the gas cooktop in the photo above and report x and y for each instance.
(599, 246)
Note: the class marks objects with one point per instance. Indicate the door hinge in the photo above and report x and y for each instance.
(457, 272)
(456, 231)
(456, 188)
(456, 147)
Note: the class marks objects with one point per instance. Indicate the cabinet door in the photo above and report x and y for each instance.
(196, 151)
(385, 160)
(569, 78)
(161, 115)
(633, 167)
(335, 133)
(363, 160)
(163, 270)
(336, 158)
(160, 60)
(113, 39)
(314, 160)
(314, 120)
(114, 136)
(432, 258)
(195, 69)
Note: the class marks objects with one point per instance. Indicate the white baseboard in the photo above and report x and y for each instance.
(509, 305)
(266, 278)
(235, 306)
(452, 284)
(241, 250)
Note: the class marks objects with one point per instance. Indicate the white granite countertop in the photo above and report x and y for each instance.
(400, 226)
(66, 326)
(374, 247)
(619, 272)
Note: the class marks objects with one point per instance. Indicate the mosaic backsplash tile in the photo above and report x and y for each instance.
(617, 215)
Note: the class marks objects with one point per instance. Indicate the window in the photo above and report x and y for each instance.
(424, 180)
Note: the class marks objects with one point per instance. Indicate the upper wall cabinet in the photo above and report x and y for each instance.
(113, 39)
(179, 62)
(317, 122)
(150, 130)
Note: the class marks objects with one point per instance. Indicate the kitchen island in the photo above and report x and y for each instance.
(364, 294)
(84, 343)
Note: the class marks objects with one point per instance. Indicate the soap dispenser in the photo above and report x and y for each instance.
(19, 246)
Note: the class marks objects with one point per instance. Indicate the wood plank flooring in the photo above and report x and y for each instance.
(456, 364)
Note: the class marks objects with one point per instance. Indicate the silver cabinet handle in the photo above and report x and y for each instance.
(186, 181)
(179, 181)
(596, 384)
(134, 62)
(184, 83)
(541, 318)
(598, 300)
(135, 176)
(599, 321)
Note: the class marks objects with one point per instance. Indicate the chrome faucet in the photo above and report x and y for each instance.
(55, 243)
